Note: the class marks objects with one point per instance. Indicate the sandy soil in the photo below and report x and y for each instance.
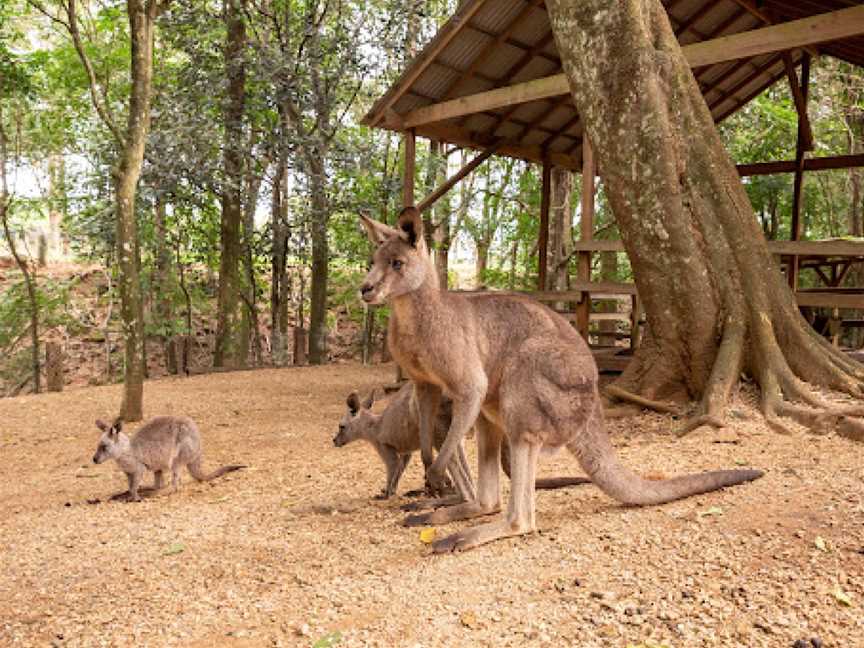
(294, 551)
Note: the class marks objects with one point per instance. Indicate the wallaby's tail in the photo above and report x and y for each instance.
(551, 483)
(197, 470)
(599, 460)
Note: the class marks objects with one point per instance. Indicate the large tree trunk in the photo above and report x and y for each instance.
(228, 351)
(56, 204)
(482, 262)
(715, 300)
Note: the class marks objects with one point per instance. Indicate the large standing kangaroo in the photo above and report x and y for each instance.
(513, 366)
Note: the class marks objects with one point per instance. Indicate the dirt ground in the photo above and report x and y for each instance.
(294, 551)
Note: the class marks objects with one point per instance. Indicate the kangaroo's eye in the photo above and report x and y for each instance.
(396, 264)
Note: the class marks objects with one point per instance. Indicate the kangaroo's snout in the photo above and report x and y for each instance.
(365, 291)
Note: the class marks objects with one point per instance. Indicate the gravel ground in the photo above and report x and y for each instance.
(294, 551)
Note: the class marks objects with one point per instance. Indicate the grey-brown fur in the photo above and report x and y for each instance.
(395, 436)
(163, 444)
(514, 367)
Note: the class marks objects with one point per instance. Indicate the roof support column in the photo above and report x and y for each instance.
(586, 229)
(408, 172)
(801, 145)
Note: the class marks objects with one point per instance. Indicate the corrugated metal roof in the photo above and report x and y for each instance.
(494, 43)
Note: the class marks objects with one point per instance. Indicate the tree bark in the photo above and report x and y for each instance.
(279, 232)
(164, 287)
(29, 279)
(142, 18)
(715, 300)
(228, 349)
(320, 258)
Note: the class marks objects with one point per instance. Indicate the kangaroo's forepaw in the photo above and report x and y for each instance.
(417, 492)
(420, 519)
(412, 506)
(383, 495)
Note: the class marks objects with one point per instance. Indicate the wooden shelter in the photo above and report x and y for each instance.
(491, 80)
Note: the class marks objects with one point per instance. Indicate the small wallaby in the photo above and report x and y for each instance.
(164, 443)
(395, 435)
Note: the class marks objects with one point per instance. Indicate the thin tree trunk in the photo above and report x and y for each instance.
(228, 351)
(320, 258)
(278, 209)
(164, 288)
(29, 280)
(715, 300)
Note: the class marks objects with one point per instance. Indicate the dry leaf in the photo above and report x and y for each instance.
(714, 510)
(427, 535)
(469, 620)
(820, 544)
(175, 548)
(842, 597)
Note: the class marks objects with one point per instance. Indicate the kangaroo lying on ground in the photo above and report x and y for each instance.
(395, 435)
(513, 366)
(164, 443)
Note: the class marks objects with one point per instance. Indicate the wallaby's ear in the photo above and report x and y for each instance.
(353, 403)
(102, 425)
(370, 400)
(377, 232)
(411, 223)
(118, 425)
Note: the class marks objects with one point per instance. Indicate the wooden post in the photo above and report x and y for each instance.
(410, 163)
(792, 270)
(54, 367)
(586, 228)
(408, 192)
(543, 235)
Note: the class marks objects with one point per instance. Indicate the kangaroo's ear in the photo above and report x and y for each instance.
(102, 425)
(353, 402)
(411, 223)
(377, 232)
(370, 400)
(118, 425)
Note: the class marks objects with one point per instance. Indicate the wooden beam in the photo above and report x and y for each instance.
(800, 101)
(408, 171)
(586, 230)
(543, 236)
(542, 88)
(810, 164)
(776, 38)
(447, 185)
(464, 137)
(838, 248)
(798, 185)
(829, 300)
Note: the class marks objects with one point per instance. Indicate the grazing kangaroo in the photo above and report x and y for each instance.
(514, 367)
(395, 435)
(164, 443)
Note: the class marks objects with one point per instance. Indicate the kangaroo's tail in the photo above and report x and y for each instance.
(551, 483)
(197, 470)
(598, 459)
